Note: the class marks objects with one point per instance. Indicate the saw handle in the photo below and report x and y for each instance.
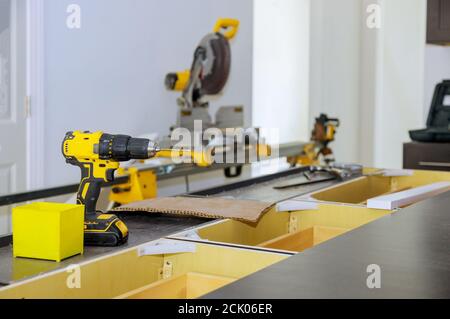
(227, 23)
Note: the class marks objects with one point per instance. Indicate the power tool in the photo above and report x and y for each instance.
(208, 74)
(322, 135)
(210, 69)
(99, 155)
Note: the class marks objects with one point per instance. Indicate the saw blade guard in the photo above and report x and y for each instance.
(216, 64)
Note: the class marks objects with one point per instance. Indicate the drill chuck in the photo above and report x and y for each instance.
(123, 148)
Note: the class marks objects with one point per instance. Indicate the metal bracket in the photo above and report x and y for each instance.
(167, 270)
(293, 224)
(394, 184)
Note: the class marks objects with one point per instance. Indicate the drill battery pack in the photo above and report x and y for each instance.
(104, 230)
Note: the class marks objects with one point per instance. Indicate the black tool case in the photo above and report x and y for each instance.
(438, 123)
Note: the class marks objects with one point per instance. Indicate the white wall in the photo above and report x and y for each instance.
(400, 104)
(371, 79)
(281, 67)
(109, 74)
(335, 56)
(305, 57)
(437, 68)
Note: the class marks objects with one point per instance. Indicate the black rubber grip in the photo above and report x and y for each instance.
(171, 80)
(138, 148)
(122, 148)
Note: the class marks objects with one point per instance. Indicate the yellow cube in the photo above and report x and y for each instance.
(48, 231)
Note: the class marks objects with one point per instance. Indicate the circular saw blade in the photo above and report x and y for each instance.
(218, 64)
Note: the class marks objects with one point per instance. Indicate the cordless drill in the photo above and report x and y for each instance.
(99, 156)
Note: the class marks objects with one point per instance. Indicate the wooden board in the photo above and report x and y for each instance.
(408, 197)
(271, 225)
(362, 189)
(118, 274)
(298, 241)
(187, 286)
(304, 239)
(274, 226)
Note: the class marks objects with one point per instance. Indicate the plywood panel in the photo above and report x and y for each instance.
(355, 192)
(304, 239)
(271, 225)
(188, 286)
(118, 274)
(323, 234)
(298, 241)
(222, 261)
(103, 278)
(338, 216)
(364, 188)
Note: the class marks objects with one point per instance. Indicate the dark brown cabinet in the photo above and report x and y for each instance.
(426, 156)
(438, 22)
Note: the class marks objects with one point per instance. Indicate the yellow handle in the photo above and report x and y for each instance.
(227, 23)
(202, 159)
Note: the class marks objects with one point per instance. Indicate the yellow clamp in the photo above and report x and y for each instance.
(308, 158)
(227, 23)
(199, 158)
(264, 150)
(141, 185)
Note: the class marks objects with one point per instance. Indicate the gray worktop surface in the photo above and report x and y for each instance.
(412, 247)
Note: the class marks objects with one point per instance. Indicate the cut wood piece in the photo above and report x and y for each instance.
(408, 197)
(304, 239)
(117, 273)
(165, 246)
(391, 192)
(296, 205)
(391, 172)
(187, 286)
(298, 241)
(214, 208)
(323, 234)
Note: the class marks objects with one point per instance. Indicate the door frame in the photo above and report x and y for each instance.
(35, 100)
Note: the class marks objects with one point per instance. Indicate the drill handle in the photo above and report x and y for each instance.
(88, 194)
(92, 179)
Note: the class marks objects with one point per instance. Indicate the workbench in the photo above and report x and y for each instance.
(412, 247)
(144, 229)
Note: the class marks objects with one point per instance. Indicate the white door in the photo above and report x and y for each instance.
(12, 103)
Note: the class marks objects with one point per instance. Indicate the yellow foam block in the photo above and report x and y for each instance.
(48, 231)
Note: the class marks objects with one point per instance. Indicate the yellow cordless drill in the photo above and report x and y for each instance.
(99, 156)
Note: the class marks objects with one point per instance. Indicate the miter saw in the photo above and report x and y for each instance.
(208, 76)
